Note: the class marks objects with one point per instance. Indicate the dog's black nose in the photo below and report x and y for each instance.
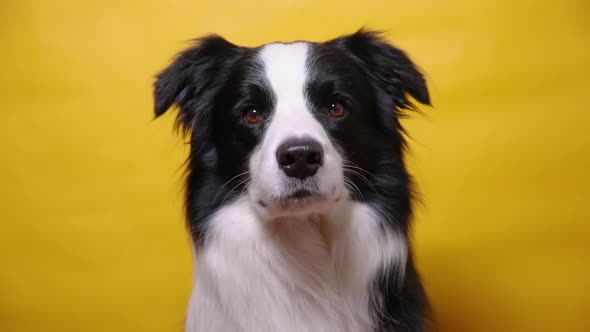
(300, 158)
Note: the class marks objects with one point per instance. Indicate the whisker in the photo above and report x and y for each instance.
(355, 166)
(232, 189)
(354, 189)
(362, 177)
(226, 183)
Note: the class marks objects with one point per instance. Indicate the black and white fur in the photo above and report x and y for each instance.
(273, 252)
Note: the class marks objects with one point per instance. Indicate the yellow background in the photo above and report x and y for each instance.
(92, 235)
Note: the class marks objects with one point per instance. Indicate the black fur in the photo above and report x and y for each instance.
(212, 83)
(387, 76)
(215, 81)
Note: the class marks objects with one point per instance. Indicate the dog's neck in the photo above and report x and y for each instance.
(320, 265)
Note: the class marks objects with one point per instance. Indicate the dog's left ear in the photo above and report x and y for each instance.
(388, 67)
(193, 79)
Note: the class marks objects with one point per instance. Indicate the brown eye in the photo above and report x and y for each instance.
(337, 110)
(253, 116)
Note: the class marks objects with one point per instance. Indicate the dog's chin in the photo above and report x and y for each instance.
(299, 201)
(296, 204)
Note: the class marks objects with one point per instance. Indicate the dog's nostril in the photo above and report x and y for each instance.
(300, 158)
(285, 159)
(315, 157)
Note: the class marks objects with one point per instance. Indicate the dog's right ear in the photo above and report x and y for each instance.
(189, 82)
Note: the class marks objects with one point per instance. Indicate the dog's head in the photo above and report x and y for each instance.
(294, 127)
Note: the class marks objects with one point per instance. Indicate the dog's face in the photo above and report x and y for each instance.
(295, 167)
(295, 127)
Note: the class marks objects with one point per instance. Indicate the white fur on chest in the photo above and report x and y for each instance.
(290, 275)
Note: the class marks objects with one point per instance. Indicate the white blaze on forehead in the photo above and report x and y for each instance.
(285, 67)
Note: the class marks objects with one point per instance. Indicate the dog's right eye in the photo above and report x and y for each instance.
(336, 110)
(253, 116)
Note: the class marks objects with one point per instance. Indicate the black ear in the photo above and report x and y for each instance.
(191, 78)
(387, 66)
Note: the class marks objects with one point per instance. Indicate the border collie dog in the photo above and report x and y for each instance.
(297, 198)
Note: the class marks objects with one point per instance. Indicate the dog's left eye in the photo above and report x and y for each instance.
(337, 110)
(253, 116)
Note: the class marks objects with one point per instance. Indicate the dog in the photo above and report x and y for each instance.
(297, 198)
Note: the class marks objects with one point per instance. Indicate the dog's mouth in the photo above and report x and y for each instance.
(301, 194)
(296, 201)
(299, 199)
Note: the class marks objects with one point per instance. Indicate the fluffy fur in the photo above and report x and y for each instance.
(274, 252)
